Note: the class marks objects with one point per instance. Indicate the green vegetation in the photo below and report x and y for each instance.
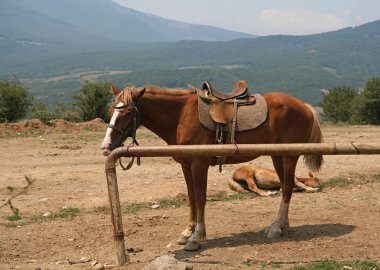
(133, 208)
(93, 101)
(298, 65)
(226, 197)
(368, 103)
(337, 105)
(334, 265)
(337, 182)
(12, 191)
(14, 217)
(15, 101)
(67, 213)
(376, 178)
(102, 209)
(40, 111)
(14, 224)
(344, 104)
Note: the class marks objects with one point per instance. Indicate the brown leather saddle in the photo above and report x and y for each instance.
(224, 106)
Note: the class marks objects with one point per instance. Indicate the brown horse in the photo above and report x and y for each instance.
(172, 114)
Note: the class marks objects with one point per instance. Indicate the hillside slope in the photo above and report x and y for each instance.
(72, 21)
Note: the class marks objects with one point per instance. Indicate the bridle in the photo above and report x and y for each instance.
(129, 131)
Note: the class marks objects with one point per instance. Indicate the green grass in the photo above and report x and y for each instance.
(225, 197)
(102, 209)
(334, 265)
(171, 202)
(133, 208)
(15, 224)
(14, 217)
(337, 182)
(376, 178)
(67, 213)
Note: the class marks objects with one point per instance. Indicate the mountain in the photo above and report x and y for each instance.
(72, 23)
(98, 41)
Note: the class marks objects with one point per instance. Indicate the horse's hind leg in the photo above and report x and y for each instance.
(302, 186)
(285, 170)
(185, 235)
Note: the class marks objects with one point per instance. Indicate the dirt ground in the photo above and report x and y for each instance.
(341, 222)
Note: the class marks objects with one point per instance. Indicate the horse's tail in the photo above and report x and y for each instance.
(314, 162)
(235, 186)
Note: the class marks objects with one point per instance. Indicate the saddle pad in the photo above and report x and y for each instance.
(248, 116)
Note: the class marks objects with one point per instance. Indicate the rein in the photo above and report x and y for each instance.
(129, 132)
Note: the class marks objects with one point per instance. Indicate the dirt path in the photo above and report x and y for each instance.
(341, 223)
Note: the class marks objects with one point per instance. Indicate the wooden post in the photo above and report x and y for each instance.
(116, 218)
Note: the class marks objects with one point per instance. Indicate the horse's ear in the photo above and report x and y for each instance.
(141, 92)
(115, 90)
(206, 86)
(311, 175)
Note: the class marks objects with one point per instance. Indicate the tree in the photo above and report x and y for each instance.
(93, 101)
(15, 101)
(338, 103)
(368, 103)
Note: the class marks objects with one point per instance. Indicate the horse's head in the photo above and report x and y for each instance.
(312, 181)
(124, 112)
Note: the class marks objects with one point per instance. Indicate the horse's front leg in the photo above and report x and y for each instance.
(285, 170)
(199, 169)
(185, 235)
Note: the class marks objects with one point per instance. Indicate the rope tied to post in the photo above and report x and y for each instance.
(357, 150)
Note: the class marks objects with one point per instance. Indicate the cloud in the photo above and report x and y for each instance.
(296, 22)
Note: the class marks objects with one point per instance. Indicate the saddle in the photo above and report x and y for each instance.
(223, 107)
(219, 111)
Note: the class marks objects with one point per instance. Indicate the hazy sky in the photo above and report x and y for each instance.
(265, 17)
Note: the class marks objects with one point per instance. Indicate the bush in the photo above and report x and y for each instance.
(41, 112)
(15, 101)
(367, 105)
(93, 101)
(338, 104)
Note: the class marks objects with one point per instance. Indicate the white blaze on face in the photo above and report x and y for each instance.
(107, 138)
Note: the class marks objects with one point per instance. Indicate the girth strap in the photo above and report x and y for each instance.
(220, 160)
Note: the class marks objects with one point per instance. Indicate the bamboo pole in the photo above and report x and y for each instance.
(210, 151)
(248, 150)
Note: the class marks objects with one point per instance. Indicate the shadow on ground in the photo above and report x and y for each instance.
(293, 234)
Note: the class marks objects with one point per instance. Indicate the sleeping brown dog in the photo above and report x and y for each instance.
(255, 179)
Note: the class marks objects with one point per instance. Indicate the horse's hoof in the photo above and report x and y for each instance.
(274, 193)
(182, 240)
(274, 234)
(192, 246)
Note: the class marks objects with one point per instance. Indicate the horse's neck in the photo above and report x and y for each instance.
(161, 114)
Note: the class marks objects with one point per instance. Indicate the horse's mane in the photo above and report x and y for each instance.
(126, 95)
(156, 90)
